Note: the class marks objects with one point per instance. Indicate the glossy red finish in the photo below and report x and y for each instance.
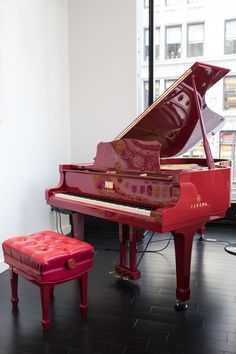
(173, 118)
(182, 193)
(47, 259)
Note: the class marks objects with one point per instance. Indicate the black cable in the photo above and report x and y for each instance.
(146, 244)
(144, 251)
(162, 249)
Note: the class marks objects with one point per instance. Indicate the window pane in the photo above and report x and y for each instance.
(198, 152)
(157, 88)
(226, 137)
(230, 37)
(157, 42)
(230, 92)
(173, 2)
(173, 42)
(145, 94)
(145, 44)
(226, 151)
(195, 40)
(146, 3)
(168, 83)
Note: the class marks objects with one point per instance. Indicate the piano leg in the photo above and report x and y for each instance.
(77, 225)
(128, 263)
(183, 239)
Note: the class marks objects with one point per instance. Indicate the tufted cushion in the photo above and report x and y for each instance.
(48, 256)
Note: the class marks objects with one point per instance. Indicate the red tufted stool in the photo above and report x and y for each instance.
(47, 259)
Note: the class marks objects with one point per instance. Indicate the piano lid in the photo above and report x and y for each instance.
(172, 119)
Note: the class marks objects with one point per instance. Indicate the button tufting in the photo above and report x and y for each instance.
(71, 263)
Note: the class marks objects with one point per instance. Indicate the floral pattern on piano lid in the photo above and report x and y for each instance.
(129, 154)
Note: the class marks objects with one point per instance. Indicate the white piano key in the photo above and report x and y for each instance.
(101, 203)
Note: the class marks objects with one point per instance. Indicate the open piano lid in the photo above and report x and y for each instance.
(173, 118)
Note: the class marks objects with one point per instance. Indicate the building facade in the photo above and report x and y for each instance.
(187, 31)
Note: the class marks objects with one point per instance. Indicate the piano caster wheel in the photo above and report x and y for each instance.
(181, 306)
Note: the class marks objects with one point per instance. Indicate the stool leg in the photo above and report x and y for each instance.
(14, 288)
(83, 283)
(52, 291)
(45, 295)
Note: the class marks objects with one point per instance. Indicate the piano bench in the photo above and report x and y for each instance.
(47, 259)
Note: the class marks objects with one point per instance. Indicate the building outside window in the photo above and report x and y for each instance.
(157, 89)
(146, 4)
(230, 92)
(187, 31)
(173, 42)
(195, 40)
(157, 43)
(173, 2)
(145, 44)
(145, 92)
(168, 83)
(230, 36)
(228, 149)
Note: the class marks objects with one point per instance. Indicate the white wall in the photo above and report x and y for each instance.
(102, 38)
(37, 132)
(34, 110)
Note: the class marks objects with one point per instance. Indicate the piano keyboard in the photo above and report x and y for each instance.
(106, 204)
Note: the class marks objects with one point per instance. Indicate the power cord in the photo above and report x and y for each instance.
(229, 247)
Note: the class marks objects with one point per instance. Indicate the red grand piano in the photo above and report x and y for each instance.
(136, 182)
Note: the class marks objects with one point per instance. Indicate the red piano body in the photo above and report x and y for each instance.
(136, 182)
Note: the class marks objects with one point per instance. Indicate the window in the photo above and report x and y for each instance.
(230, 37)
(145, 92)
(145, 44)
(146, 4)
(228, 149)
(168, 83)
(157, 88)
(230, 92)
(198, 152)
(173, 2)
(195, 40)
(173, 42)
(157, 42)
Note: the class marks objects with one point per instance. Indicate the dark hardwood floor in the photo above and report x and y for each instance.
(128, 317)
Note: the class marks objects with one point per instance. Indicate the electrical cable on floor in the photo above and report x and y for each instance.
(144, 251)
(146, 246)
(229, 247)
